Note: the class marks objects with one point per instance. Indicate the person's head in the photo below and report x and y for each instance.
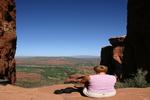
(100, 68)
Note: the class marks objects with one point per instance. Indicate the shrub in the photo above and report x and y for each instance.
(138, 81)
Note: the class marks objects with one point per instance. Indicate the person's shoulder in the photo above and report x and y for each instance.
(93, 75)
(113, 76)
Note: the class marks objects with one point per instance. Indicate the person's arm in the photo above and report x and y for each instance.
(85, 79)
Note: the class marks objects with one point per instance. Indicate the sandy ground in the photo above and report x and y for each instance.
(9, 92)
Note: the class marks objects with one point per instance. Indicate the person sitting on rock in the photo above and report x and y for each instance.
(99, 84)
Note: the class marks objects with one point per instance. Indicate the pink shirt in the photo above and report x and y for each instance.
(102, 83)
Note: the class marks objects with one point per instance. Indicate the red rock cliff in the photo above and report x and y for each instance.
(7, 40)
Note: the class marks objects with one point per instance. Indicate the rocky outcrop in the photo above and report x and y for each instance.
(137, 42)
(136, 51)
(111, 56)
(7, 40)
(117, 41)
(106, 58)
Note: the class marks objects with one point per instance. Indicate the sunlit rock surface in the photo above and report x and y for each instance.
(7, 40)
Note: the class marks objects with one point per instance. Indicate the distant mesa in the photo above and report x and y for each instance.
(85, 56)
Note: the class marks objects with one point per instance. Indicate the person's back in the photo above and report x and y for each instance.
(101, 83)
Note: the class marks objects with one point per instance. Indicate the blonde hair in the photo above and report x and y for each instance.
(100, 68)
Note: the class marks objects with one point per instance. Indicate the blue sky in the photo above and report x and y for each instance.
(68, 27)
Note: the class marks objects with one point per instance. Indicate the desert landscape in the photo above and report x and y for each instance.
(37, 78)
(41, 71)
(30, 84)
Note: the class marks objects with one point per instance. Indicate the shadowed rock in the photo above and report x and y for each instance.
(111, 56)
(117, 41)
(137, 42)
(7, 40)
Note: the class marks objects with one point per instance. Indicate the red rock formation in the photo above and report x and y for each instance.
(7, 40)
(106, 58)
(117, 41)
(111, 56)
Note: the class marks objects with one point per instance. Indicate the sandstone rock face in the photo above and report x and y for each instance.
(7, 40)
(137, 42)
(111, 56)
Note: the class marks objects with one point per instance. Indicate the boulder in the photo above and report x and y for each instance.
(117, 41)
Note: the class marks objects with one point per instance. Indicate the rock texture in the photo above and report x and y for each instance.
(136, 52)
(106, 58)
(137, 42)
(117, 41)
(7, 40)
(110, 53)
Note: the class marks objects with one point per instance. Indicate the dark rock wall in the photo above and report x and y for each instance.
(111, 56)
(137, 42)
(106, 58)
(7, 40)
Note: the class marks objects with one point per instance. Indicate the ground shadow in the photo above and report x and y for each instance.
(69, 90)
